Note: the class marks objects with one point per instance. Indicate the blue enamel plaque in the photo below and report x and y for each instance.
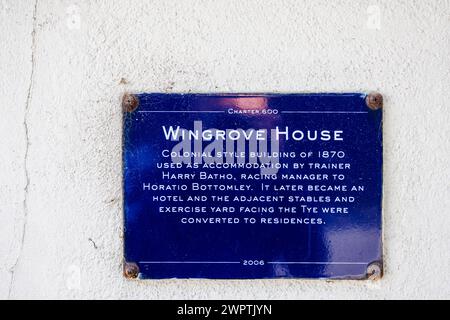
(244, 186)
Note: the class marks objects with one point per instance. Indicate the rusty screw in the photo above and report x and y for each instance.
(374, 100)
(374, 271)
(130, 270)
(129, 102)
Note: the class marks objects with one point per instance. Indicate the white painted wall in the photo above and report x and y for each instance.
(61, 63)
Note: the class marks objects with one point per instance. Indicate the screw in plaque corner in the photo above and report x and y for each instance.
(130, 270)
(374, 271)
(130, 102)
(374, 100)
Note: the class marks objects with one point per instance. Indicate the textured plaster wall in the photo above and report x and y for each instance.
(61, 70)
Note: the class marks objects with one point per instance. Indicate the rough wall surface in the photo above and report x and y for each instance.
(65, 64)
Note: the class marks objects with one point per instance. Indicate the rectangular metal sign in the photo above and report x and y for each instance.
(242, 186)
